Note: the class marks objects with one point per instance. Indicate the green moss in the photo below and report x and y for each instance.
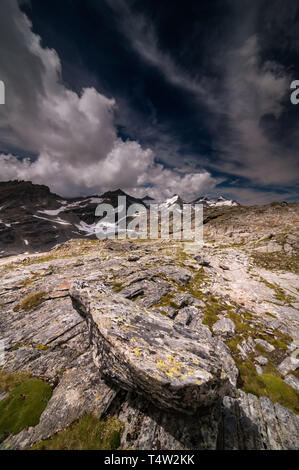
(17, 346)
(55, 256)
(279, 292)
(31, 301)
(40, 347)
(270, 314)
(117, 286)
(43, 259)
(211, 311)
(267, 385)
(279, 391)
(181, 256)
(279, 339)
(241, 321)
(27, 283)
(234, 343)
(167, 301)
(23, 406)
(89, 433)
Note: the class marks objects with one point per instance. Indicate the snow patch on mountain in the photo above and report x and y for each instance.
(88, 229)
(56, 221)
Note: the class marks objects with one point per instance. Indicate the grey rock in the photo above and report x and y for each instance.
(3, 396)
(224, 267)
(51, 341)
(206, 291)
(180, 275)
(246, 347)
(239, 423)
(267, 346)
(261, 360)
(170, 311)
(250, 423)
(224, 327)
(186, 315)
(202, 262)
(182, 300)
(258, 369)
(138, 350)
(150, 291)
(289, 364)
(133, 258)
(197, 303)
(292, 381)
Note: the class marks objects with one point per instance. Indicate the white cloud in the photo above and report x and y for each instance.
(143, 38)
(252, 90)
(166, 183)
(74, 137)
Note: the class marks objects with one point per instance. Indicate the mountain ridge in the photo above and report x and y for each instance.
(33, 219)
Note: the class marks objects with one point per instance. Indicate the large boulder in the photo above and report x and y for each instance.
(144, 351)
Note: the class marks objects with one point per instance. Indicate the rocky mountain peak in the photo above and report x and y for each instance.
(23, 191)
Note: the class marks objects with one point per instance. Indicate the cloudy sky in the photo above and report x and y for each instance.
(154, 97)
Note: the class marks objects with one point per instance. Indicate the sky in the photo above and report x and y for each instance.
(153, 97)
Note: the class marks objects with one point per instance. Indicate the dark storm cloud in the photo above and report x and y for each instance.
(246, 98)
(200, 89)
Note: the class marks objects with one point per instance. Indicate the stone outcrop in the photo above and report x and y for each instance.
(157, 285)
(143, 351)
(242, 423)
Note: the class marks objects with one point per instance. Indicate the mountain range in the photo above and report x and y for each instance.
(34, 219)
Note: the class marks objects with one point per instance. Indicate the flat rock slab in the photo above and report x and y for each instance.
(143, 351)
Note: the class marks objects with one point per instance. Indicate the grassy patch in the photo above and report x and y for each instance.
(89, 433)
(279, 292)
(9, 380)
(277, 261)
(167, 301)
(211, 311)
(31, 301)
(24, 404)
(181, 256)
(267, 385)
(241, 321)
(279, 339)
(234, 343)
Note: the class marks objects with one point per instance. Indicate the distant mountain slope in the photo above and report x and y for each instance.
(206, 201)
(34, 219)
(216, 202)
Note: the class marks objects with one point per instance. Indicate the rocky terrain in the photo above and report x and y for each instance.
(154, 343)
